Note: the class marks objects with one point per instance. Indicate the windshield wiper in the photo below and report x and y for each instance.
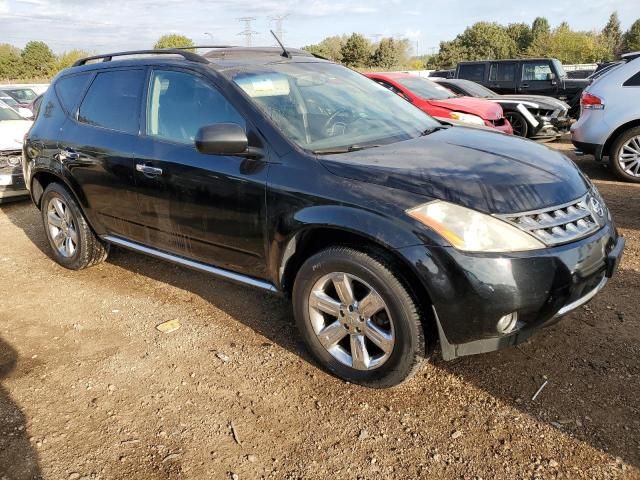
(350, 148)
(433, 129)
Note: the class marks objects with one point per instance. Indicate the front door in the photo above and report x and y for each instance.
(209, 208)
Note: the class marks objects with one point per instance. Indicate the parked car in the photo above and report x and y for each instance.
(23, 95)
(531, 116)
(534, 76)
(296, 175)
(443, 73)
(609, 125)
(439, 102)
(12, 130)
(24, 112)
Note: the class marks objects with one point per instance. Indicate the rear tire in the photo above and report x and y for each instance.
(518, 123)
(624, 156)
(380, 349)
(73, 243)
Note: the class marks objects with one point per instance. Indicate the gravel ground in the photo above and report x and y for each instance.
(90, 389)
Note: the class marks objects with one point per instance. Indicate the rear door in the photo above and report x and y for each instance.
(96, 145)
(502, 77)
(209, 208)
(536, 78)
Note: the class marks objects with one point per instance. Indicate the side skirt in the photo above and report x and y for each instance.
(202, 267)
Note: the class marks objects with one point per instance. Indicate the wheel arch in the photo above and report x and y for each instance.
(313, 238)
(606, 148)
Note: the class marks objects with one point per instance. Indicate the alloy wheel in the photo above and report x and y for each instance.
(517, 124)
(351, 321)
(629, 157)
(62, 227)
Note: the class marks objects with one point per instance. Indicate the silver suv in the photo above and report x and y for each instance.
(609, 124)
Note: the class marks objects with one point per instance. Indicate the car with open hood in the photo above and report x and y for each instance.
(441, 103)
(12, 130)
(389, 230)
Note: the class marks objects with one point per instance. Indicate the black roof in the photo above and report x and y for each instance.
(535, 59)
(225, 56)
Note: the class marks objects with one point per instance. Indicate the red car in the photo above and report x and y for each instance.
(440, 102)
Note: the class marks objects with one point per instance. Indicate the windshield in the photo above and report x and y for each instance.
(425, 88)
(22, 95)
(9, 101)
(7, 113)
(559, 68)
(475, 90)
(324, 106)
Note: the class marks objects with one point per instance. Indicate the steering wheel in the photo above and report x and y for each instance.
(332, 118)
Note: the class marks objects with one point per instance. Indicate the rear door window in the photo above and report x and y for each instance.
(70, 90)
(502, 72)
(473, 72)
(633, 81)
(113, 101)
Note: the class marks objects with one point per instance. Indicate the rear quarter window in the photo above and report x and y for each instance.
(633, 81)
(472, 72)
(70, 90)
(113, 101)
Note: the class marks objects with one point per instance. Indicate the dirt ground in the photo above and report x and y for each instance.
(89, 389)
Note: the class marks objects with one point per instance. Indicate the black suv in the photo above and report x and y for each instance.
(533, 76)
(292, 174)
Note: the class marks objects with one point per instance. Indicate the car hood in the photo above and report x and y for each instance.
(482, 170)
(547, 103)
(576, 82)
(477, 106)
(12, 133)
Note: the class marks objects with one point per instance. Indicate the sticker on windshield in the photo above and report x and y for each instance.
(266, 85)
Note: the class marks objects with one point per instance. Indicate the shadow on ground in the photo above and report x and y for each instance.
(18, 460)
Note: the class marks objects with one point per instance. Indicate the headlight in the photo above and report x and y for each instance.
(473, 231)
(467, 118)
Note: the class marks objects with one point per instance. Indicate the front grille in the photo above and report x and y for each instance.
(10, 161)
(561, 224)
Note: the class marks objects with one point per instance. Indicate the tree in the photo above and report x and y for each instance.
(38, 61)
(521, 34)
(356, 51)
(386, 54)
(482, 41)
(330, 48)
(631, 42)
(540, 28)
(173, 40)
(10, 62)
(570, 46)
(613, 35)
(66, 59)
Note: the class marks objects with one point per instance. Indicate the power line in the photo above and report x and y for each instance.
(247, 32)
(278, 19)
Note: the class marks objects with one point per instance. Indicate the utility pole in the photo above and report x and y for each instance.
(280, 31)
(247, 32)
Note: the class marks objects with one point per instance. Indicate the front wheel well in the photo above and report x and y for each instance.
(313, 240)
(616, 133)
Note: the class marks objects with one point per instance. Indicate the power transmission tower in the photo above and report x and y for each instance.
(247, 32)
(278, 19)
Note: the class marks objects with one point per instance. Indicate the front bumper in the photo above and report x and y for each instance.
(471, 292)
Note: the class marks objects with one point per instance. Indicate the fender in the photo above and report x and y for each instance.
(389, 233)
(58, 170)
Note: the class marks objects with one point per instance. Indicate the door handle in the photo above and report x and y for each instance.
(148, 170)
(524, 85)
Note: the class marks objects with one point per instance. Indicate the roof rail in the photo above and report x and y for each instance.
(107, 57)
(205, 46)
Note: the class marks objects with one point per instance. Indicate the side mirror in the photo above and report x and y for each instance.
(551, 76)
(225, 139)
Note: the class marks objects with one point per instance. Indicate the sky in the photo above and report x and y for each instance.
(108, 25)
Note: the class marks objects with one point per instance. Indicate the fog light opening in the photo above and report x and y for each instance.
(508, 323)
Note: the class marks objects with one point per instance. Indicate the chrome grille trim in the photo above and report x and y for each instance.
(559, 224)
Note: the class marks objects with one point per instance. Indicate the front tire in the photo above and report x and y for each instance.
(73, 243)
(518, 123)
(357, 318)
(625, 156)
